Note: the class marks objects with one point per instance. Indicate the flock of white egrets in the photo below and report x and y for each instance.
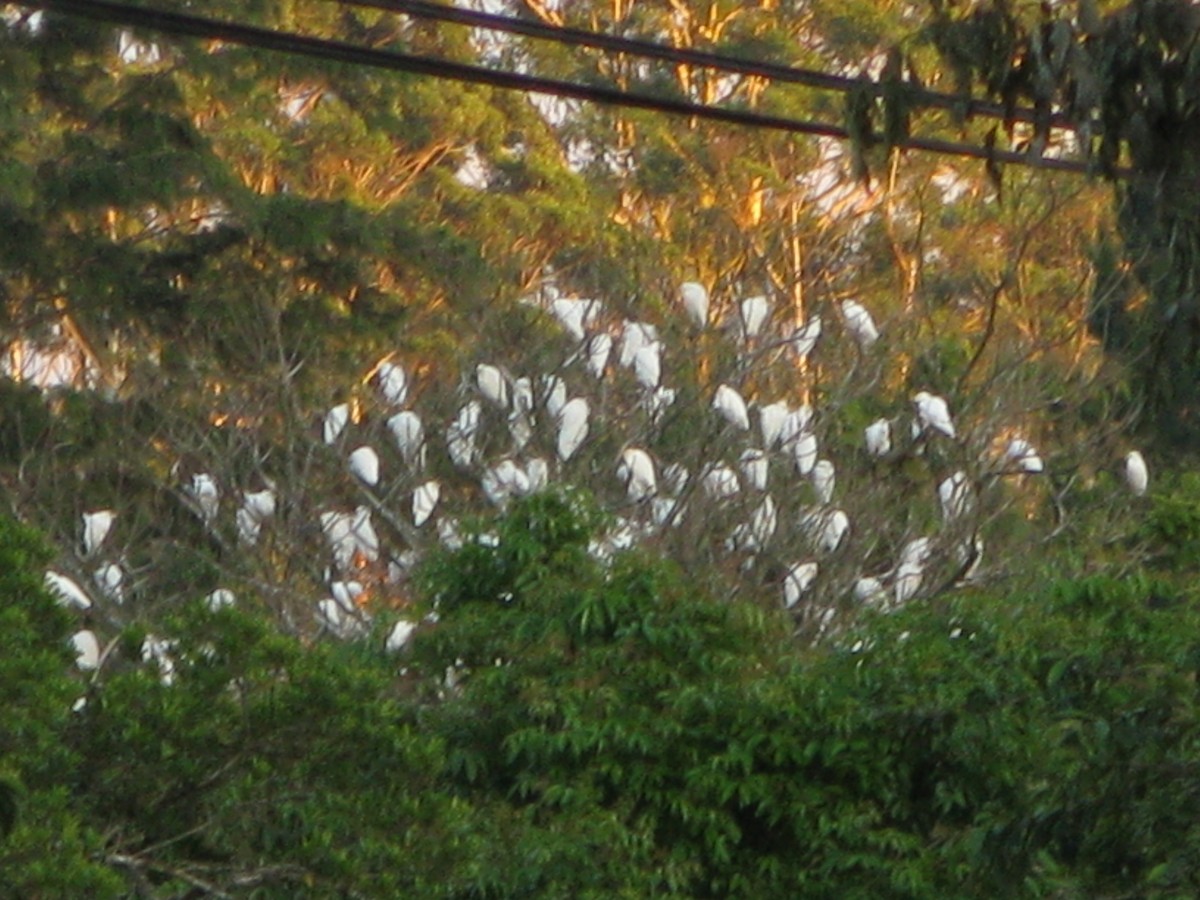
(767, 499)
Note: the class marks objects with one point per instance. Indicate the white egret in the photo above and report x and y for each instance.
(335, 422)
(662, 510)
(755, 466)
(804, 453)
(492, 384)
(259, 504)
(771, 418)
(823, 478)
(729, 403)
(364, 465)
(204, 491)
(66, 591)
(636, 471)
(424, 501)
(336, 526)
(572, 427)
(248, 527)
(504, 481)
(537, 471)
(721, 482)
(804, 339)
(450, 534)
(932, 412)
(878, 437)
(599, 348)
(341, 622)
(522, 396)
(157, 650)
(752, 536)
(675, 477)
(554, 393)
(859, 323)
(366, 541)
(908, 581)
(1137, 474)
(110, 579)
(695, 302)
(409, 435)
(96, 526)
(917, 551)
(798, 580)
(647, 365)
(220, 599)
(399, 635)
(869, 590)
(346, 593)
(659, 401)
(461, 435)
(635, 336)
(754, 312)
(828, 528)
(1022, 454)
(954, 494)
(392, 382)
(87, 649)
(575, 315)
(795, 425)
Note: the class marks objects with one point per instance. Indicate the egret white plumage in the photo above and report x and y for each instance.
(834, 526)
(204, 491)
(492, 384)
(424, 501)
(346, 593)
(461, 435)
(1137, 474)
(869, 590)
(636, 471)
(659, 401)
(575, 315)
(572, 427)
(157, 651)
(804, 339)
(399, 636)
(335, 422)
(754, 312)
(364, 465)
(695, 302)
(647, 365)
(755, 467)
(675, 478)
(634, 337)
(1023, 456)
(599, 348)
(522, 396)
(771, 418)
(752, 536)
(110, 579)
(804, 453)
(554, 394)
(823, 478)
(721, 482)
(220, 599)
(732, 408)
(954, 494)
(392, 382)
(96, 526)
(537, 471)
(87, 649)
(259, 504)
(504, 481)
(909, 576)
(859, 323)
(336, 526)
(878, 436)
(66, 591)
(917, 551)
(795, 425)
(798, 580)
(932, 412)
(409, 434)
(366, 540)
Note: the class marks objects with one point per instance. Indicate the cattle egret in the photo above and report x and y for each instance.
(87, 649)
(366, 541)
(537, 471)
(346, 593)
(754, 312)
(554, 392)
(341, 622)
(752, 536)
(954, 494)
(647, 365)
(636, 471)
(797, 582)
(96, 526)
(908, 581)
(879, 437)
(755, 467)
(795, 425)
(335, 422)
(662, 510)
(634, 337)
(409, 434)
(917, 551)
(460, 436)
(522, 397)
(1137, 475)
(450, 534)
(392, 382)
(110, 579)
(260, 504)
(804, 453)
(804, 339)
(932, 412)
(204, 491)
(695, 302)
(659, 402)
(364, 465)
(424, 501)
(1022, 454)
(248, 527)
(721, 482)
(336, 526)
(504, 481)
(66, 591)
(575, 315)
(770, 422)
(833, 528)
(860, 323)
(492, 384)
(869, 590)
(598, 350)
(572, 427)
(732, 407)
(823, 479)
(399, 635)
(220, 599)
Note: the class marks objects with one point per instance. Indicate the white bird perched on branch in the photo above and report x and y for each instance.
(878, 437)
(572, 427)
(647, 365)
(695, 302)
(771, 419)
(804, 339)
(932, 412)
(1137, 474)
(954, 494)
(804, 452)
(492, 384)
(335, 422)
(399, 635)
(754, 312)
(504, 481)
(797, 582)
(364, 465)
(599, 348)
(752, 536)
(859, 323)
(220, 599)
(869, 590)
(409, 434)
(96, 526)
(755, 467)
(635, 336)
(424, 501)
(1022, 454)
(732, 407)
(554, 394)
(204, 491)
(575, 315)
(833, 528)
(87, 649)
(796, 425)
(823, 479)
(636, 471)
(66, 591)
(392, 382)
(721, 482)
(110, 578)
(461, 435)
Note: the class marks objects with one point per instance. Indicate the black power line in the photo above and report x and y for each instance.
(353, 54)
